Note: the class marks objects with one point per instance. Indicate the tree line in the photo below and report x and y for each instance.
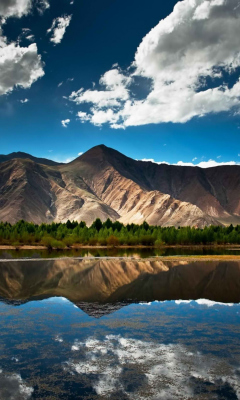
(108, 233)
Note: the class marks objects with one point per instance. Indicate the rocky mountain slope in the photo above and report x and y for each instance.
(104, 183)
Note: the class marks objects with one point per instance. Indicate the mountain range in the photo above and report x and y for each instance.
(106, 184)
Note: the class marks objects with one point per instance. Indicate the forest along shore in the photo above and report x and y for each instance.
(113, 234)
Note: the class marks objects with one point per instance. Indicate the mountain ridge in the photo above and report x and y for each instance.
(25, 156)
(105, 183)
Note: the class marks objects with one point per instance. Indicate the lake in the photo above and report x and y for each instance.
(119, 329)
(144, 252)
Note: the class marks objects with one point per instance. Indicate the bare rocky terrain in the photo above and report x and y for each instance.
(106, 184)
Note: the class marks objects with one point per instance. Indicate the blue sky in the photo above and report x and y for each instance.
(139, 94)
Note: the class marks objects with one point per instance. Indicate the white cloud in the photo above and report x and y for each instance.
(65, 122)
(79, 154)
(60, 84)
(197, 41)
(31, 38)
(20, 66)
(202, 164)
(59, 27)
(19, 8)
(68, 160)
(154, 371)
(208, 164)
(15, 8)
(83, 116)
(64, 160)
(24, 101)
(194, 159)
(42, 6)
(115, 85)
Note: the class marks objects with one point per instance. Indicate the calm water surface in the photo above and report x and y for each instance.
(117, 329)
(118, 252)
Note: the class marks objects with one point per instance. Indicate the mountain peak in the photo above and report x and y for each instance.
(99, 153)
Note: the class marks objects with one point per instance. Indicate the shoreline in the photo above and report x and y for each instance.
(191, 258)
(88, 247)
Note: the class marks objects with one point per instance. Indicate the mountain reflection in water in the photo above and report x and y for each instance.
(119, 280)
(92, 330)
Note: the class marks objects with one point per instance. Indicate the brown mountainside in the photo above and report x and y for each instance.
(104, 183)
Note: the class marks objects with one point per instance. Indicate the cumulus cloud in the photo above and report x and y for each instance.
(42, 6)
(114, 94)
(202, 164)
(20, 66)
(83, 116)
(24, 101)
(139, 369)
(15, 8)
(65, 122)
(19, 8)
(59, 27)
(12, 387)
(197, 43)
(115, 85)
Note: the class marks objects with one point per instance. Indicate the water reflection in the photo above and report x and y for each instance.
(119, 281)
(138, 369)
(120, 252)
(52, 350)
(94, 342)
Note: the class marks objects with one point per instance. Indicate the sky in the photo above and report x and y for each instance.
(154, 80)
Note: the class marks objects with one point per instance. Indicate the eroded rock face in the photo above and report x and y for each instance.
(118, 282)
(104, 183)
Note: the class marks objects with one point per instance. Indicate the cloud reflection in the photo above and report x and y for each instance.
(137, 370)
(12, 387)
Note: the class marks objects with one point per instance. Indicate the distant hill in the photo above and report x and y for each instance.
(106, 184)
(22, 155)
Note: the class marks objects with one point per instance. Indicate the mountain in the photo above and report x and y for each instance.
(100, 287)
(21, 155)
(106, 184)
